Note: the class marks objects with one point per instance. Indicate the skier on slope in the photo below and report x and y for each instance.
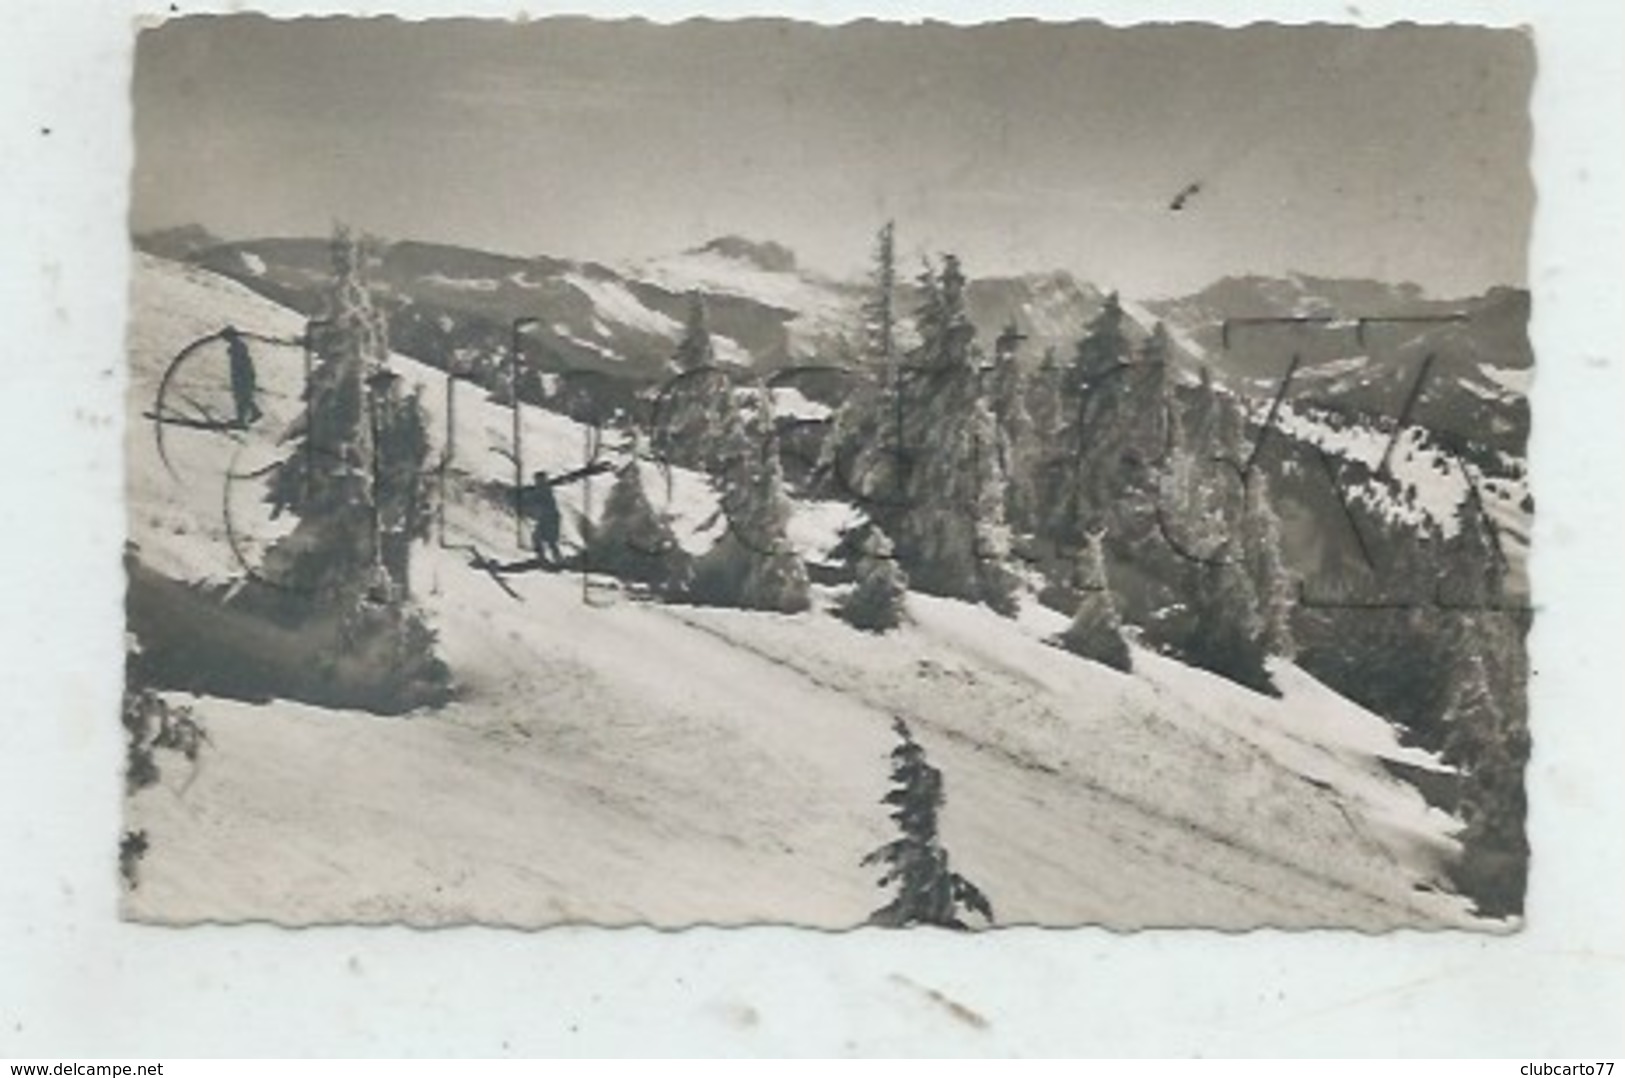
(545, 536)
(243, 382)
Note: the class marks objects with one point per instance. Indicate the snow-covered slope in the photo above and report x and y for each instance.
(613, 760)
(1424, 486)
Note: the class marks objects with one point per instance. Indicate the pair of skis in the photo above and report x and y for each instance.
(499, 571)
(220, 425)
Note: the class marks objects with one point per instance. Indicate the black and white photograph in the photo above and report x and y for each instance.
(746, 471)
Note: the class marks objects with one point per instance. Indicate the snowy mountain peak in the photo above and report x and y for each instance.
(762, 254)
(1301, 294)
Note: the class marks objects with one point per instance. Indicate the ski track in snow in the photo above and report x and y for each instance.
(618, 761)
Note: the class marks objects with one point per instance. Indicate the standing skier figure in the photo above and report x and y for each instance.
(243, 382)
(545, 536)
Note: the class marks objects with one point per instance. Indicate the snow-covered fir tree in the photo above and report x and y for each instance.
(1485, 715)
(941, 494)
(1044, 400)
(1487, 737)
(358, 477)
(1214, 521)
(1103, 469)
(694, 349)
(879, 305)
(1104, 346)
(1261, 540)
(1473, 566)
(1161, 470)
(358, 483)
(1157, 350)
(1018, 444)
(876, 601)
(690, 406)
(327, 481)
(403, 486)
(753, 564)
(928, 891)
(635, 542)
(1095, 632)
(866, 431)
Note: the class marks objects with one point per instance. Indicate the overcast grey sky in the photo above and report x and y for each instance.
(1399, 154)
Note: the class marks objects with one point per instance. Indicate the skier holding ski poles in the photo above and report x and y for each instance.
(537, 499)
(545, 536)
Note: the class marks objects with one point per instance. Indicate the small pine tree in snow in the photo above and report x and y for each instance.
(1227, 637)
(152, 724)
(636, 543)
(1044, 400)
(875, 604)
(915, 863)
(753, 564)
(1095, 632)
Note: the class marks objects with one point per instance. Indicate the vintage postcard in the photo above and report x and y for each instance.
(740, 472)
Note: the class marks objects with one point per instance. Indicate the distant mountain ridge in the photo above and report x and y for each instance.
(457, 305)
(180, 244)
(1372, 355)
